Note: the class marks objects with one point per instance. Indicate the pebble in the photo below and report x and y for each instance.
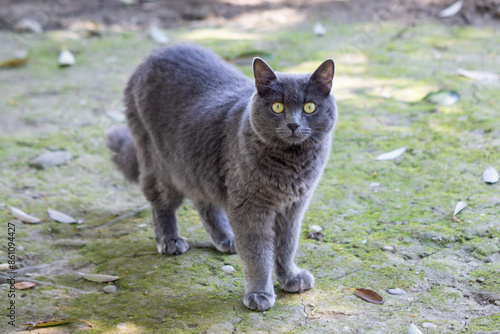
(429, 325)
(374, 185)
(4, 267)
(110, 288)
(20, 248)
(51, 159)
(227, 269)
(388, 248)
(396, 292)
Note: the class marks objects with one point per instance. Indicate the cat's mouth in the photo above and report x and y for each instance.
(295, 138)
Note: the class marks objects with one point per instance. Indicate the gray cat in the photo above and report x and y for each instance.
(249, 156)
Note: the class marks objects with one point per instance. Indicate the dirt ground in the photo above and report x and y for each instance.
(386, 224)
(58, 14)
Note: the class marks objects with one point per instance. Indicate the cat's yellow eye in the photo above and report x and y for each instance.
(278, 107)
(309, 107)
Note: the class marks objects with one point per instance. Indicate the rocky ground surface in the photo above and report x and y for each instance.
(386, 224)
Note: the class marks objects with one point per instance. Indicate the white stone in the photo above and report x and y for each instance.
(227, 269)
(110, 288)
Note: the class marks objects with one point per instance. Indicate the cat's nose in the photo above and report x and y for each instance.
(293, 126)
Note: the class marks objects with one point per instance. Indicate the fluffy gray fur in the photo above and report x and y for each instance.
(199, 128)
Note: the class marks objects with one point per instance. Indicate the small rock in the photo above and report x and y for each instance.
(20, 248)
(396, 292)
(480, 280)
(388, 248)
(374, 185)
(312, 305)
(4, 267)
(227, 269)
(315, 232)
(363, 241)
(5, 286)
(429, 325)
(28, 25)
(109, 288)
(51, 159)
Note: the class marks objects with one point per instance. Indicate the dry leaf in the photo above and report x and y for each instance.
(24, 217)
(391, 155)
(459, 207)
(319, 29)
(486, 77)
(443, 97)
(157, 35)
(66, 58)
(24, 285)
(490, 175)
(62, 217)
(451, 10)
(100, 278)
(13, 62)
(53, 322)
(368, 295)
(414, 329)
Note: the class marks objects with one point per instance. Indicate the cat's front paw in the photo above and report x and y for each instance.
(302, 281)
(259, 300)
(226, 246)
(172, 246)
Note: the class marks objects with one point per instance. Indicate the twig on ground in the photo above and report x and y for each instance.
(123, 217)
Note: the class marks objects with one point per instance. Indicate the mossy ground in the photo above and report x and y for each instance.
(449, 269)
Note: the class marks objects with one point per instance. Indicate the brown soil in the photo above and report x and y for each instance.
(57, 14)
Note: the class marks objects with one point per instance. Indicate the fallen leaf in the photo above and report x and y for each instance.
(53, 322)
(157, 35)
(414, 329)
(391, 155)
(100, 278)
(368, 295)
(14, 62)
(50, 159)
(443, 97)
(66, 58)
(451, 10)
(490, 175)
(129, 2)
(486, 77)
(24, 217)
(28, 25)
(459, 207)
(315, 232)
(319, 29)
(62, 217)
(24, 285)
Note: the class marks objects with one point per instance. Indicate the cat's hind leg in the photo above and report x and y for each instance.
(217, 226)
(164, 203)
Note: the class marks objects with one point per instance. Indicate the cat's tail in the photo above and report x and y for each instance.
(124, 156)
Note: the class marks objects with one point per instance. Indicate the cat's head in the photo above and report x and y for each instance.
(293, 109)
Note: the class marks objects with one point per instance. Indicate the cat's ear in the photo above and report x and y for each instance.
(263, 75)
(323, 76)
